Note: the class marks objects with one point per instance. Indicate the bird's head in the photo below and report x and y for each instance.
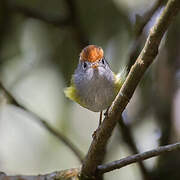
(92, 56)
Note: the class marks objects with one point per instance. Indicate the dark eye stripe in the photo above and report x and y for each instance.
(103, 61)
(84, 65)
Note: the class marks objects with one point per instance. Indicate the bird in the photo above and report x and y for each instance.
(94, 85)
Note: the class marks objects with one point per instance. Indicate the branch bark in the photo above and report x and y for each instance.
(69, 174)
(137, 157)
(146, 57)
(74, 174)
(141, 21)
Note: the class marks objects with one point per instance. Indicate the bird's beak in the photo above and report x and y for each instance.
(94, 65)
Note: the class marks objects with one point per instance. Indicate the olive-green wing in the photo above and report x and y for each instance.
(119, 79)
(71, 93)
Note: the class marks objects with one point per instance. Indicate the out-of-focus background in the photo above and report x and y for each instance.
(40, 42)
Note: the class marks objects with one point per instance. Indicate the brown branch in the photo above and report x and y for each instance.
(137, 157)
(50, 129)
(141, 22)
(146, 57)
(71, 174)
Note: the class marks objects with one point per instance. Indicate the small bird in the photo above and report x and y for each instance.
(93, 84)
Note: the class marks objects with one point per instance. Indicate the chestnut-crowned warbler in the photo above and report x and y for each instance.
(94, 85)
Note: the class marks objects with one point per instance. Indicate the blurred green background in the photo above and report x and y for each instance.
(40, 42)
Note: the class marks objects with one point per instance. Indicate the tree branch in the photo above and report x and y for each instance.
(69, 174)
(51, 130)
(137, 157)
(146, 57)
(73, 174)
(141, 21)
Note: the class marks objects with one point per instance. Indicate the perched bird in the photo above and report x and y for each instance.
(93, 84)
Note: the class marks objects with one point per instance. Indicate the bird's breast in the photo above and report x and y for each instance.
(98, 92)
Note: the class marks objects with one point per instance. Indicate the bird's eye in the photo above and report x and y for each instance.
(103, 61)
(84, 65)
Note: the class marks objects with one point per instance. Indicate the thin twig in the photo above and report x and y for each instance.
(137, 157)
(146, 57)
(50, 129)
